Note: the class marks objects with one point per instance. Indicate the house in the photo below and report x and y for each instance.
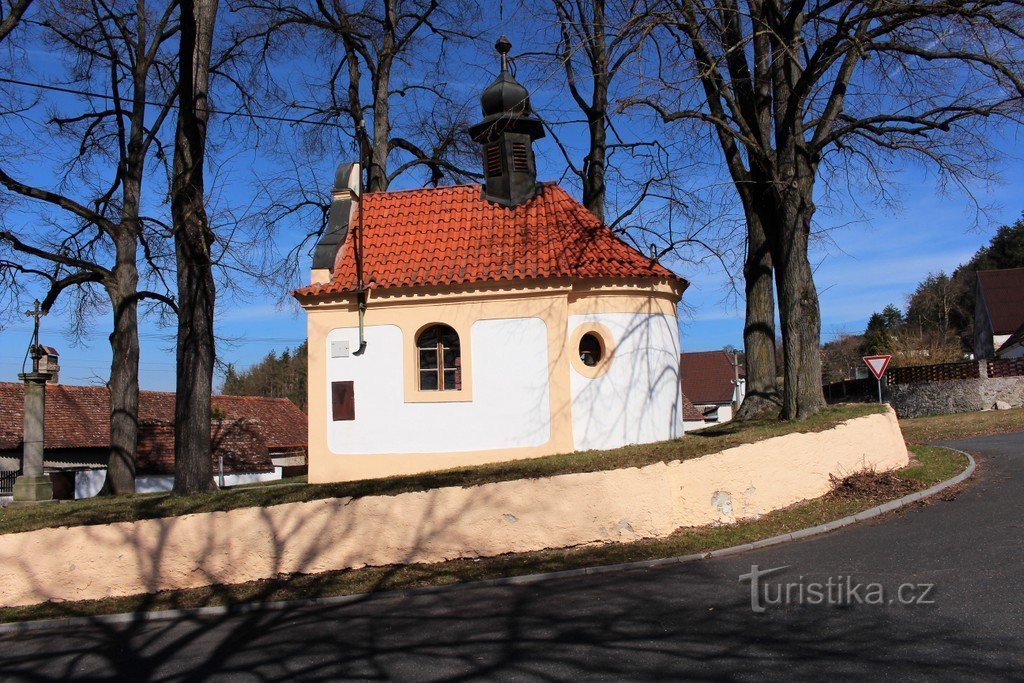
(998, 309)
(692, 418)
(709, 381)
(454, 326)
(254, 438)
(1013, 347)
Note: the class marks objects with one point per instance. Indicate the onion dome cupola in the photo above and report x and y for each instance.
(506, 134)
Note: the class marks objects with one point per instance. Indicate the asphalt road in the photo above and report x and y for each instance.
(690, 620)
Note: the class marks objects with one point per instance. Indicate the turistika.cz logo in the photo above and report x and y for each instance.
(842, 591)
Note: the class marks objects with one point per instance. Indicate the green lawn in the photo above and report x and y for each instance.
(962, 425)
(930, 466)
(693, 445)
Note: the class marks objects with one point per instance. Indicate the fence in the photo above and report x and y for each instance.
(851, 391)
(1005, 367)
(934, 373)
(7, 483)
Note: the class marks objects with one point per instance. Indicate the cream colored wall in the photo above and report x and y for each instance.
(412, 310)
(433, 526)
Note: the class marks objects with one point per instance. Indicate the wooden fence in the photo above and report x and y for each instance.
(1005, 367)
(934, 373)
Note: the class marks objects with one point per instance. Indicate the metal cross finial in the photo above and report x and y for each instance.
(36, 313)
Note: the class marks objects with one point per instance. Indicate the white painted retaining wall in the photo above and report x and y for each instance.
(432, 526)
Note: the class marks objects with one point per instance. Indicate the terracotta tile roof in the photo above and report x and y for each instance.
(690, 412)
(452, 235)
(239, 442)
(1003, 293)
(78, 417)
(707, 376)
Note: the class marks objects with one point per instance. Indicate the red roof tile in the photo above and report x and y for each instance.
(238, 442)
(690, 412)
(452, 235)
(1003, 293)
(707, 376)
(78, 416)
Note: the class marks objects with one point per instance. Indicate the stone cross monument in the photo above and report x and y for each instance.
(33, 485)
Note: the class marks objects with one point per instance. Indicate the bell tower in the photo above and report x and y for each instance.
(506, 135)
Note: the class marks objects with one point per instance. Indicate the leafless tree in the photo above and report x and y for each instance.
(193, 242)
(11, 13)
(374, 55)
(96, 228)
(799, 91)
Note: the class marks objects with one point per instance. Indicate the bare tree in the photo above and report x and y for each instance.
(11, 13)
(95, 234)
(795, 89)
(193, 241)
(375, 55)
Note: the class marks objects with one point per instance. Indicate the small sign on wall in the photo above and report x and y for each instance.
(339, 349)
(343, 401)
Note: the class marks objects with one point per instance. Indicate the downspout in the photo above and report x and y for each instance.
(360, 287)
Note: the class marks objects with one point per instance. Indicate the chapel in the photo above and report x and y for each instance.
(461, 325)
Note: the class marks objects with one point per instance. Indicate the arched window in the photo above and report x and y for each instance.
(439, 359)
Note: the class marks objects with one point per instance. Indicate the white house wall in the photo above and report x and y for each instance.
(638, 399)
(510, 401)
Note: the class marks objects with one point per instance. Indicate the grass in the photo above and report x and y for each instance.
(150, 506)
(929, 466)
(962, 425)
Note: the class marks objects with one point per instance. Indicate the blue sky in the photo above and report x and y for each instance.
(877, 257)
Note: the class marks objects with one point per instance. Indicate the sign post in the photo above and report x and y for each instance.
(877, 366)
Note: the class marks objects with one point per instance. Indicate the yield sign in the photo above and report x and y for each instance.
(877, 364)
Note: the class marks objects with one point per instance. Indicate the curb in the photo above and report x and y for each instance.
(246, 608)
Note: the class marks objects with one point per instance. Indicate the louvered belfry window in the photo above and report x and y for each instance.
(520, 161)
(493, 160)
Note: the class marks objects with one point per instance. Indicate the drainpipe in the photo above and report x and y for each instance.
(360, 288)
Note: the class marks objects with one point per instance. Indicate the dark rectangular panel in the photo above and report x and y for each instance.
(343, 400)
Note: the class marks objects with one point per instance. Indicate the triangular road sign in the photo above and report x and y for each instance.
(877, 364)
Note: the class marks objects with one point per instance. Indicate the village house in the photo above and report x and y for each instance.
(713, 382)
(998, 310)
(254, 438)
(460, 325)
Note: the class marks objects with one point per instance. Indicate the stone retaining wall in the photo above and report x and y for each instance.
(236, 546)
(956, 396)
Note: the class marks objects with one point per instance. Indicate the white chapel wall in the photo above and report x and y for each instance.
(637, 399)
(509, 408)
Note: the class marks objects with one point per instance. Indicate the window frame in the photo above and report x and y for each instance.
(412, 331)
(439, 349)
(604, 337)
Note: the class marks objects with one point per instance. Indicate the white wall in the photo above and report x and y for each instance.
(89, 482)
(510, 402)
(637, 400)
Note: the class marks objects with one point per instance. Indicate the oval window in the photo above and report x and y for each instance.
(591, 349)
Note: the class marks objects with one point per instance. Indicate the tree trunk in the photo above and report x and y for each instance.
(762, 392)
(193, 467)
(123, 385)
(799, 314)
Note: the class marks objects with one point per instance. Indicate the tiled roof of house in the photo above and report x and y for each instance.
(1003, 293)
(452, 235)
(707, 376)
(690, 412)
(238, 442)
(78, 417)
(1017, 338)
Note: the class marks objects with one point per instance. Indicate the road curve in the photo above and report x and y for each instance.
(693, 620)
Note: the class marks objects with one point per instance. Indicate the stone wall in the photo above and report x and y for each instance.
(956, 396)
(248, 544)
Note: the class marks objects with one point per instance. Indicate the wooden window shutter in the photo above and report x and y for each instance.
(493, 160)
(343, 401)
(520, 161)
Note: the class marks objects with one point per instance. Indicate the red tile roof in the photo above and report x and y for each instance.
(78, 417)
(707, 376)
(1003, 293)
(452, 235)
(690, 412)
(238, 442)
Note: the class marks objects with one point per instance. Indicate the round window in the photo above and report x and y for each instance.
(591, 349)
